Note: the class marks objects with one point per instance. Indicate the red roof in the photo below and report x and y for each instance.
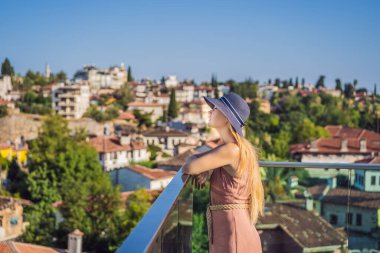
(18, 247)
(333, 144)
(153, 174)
(144, 104)
(112, 144)
(126, 116)
(370, 160)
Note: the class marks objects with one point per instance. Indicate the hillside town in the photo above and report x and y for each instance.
(142, 131)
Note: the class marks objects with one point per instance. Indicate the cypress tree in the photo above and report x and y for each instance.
(6, 68)
(172, 110)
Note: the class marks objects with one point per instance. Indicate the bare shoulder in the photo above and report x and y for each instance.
(233, 148)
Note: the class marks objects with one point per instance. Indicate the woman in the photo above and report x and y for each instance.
(236, 190)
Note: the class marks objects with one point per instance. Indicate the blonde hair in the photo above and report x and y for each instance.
(249, 161)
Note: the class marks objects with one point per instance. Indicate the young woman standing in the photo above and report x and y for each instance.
(236, 190)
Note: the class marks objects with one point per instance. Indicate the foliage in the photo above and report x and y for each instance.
(110, 113)
(3, 111)
(143, 119)
(7, 68)
(173, 106)
(58, 164)
(130, 77)
(124, 96)
(35, 103)
(199, 234)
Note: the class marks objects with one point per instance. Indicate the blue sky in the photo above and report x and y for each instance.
(193, 39)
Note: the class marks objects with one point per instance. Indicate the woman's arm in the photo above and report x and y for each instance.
(215, 158)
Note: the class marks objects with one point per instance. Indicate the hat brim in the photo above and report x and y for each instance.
(214, 102)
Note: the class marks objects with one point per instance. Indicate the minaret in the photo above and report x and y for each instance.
(47, 71)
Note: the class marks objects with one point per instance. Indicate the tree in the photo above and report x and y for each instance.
(297, 83)
(338, 84)
(143, 119)
(349, 90)
(291, 82)
(61, 76)
(124, 96)
(58, 164)
(17, 179)
(355, 83)
(6, 68)
(136, 207)
(277, 82)
(303, 82)
(173, 107)
(3, 111)
(320, 82)
(199, 234)
(375, 89)
(130, 77)
(214, 84)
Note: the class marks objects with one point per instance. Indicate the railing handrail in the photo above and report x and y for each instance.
(317, 165)
(146, 231)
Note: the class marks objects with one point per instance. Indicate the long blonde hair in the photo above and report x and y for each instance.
(249, 160)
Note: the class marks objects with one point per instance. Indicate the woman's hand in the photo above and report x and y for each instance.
(199, 181)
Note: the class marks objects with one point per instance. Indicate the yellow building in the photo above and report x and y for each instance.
(7, 151)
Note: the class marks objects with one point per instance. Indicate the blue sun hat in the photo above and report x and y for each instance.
(234, 108)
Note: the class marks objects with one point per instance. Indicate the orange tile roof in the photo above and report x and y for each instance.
(333, 144)
(153, 174)
(370, 160)
(5, 102)
(112, 144)
(144, 104)
(163, 133)
(126, 116)
(18, 247)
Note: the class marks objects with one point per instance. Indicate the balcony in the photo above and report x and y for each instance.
(309, 223)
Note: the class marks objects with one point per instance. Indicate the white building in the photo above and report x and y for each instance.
(5, 86)
(368, 180)
(118, 151)
(70, 101)
(362, 217)
(196, 112)
(166, 138)
(171, 81)
(132, 177)
(113, 77)
(155, 108)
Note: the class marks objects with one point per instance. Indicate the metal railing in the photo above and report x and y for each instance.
(172, 211)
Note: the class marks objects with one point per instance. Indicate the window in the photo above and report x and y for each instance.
(349, 218)
(333, 219)
(14, 221)
(358, 219)
(373, 180)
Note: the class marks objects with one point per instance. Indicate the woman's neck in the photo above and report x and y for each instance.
(225, 135)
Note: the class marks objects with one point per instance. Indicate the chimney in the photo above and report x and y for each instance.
(363, 145)
(331, 182)
(75, 241)
(343, 146)
(308, 200)
(125, 140)
(313, 145)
